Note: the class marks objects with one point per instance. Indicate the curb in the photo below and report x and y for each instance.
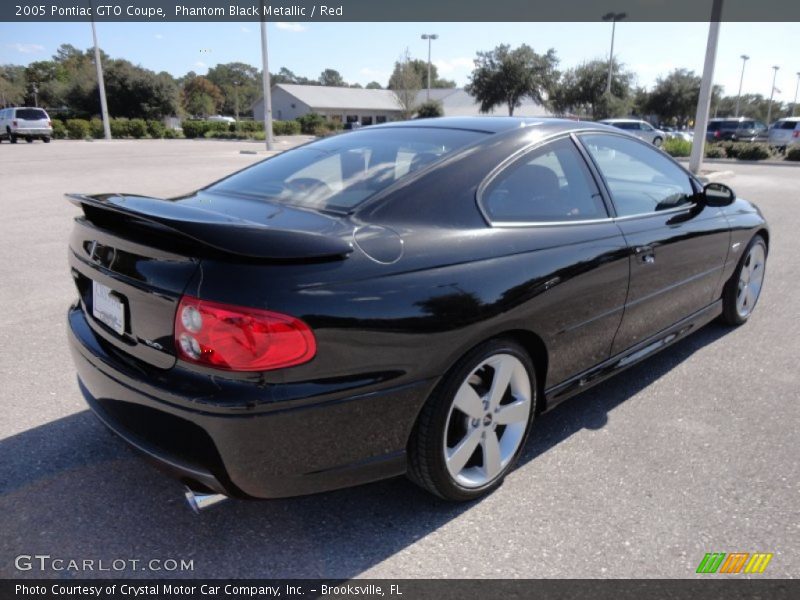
(715, 176)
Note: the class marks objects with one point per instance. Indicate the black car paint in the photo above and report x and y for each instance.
(425, 280)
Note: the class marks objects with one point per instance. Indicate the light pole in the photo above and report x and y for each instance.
(796, 87)
(266, 87)
(706, 85)
(430, 37)
(744, 58)
(613, 17)
(772, 93)
(100, 82)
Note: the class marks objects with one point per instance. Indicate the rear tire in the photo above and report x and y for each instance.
(473, 427)
(657, 142)
(12, 138)
(46, 140)
(29, 140)
(743, 289)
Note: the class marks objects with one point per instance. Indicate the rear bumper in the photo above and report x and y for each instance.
(32, 132)
(327, 441)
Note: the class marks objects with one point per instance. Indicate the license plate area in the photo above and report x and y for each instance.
(108, 307)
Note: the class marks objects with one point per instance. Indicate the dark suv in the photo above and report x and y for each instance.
(737, 130)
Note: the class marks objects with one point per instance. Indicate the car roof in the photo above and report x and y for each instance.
(621, 121)
(497, 124)
(790, 119)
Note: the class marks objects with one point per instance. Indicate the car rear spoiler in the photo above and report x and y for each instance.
(226, 233)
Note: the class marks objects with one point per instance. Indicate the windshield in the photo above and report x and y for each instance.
(31, 114)
(340, 172)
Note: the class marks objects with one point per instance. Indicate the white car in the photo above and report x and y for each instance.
(25, 122)
(785, 133)
(641, 129)
(221, 119)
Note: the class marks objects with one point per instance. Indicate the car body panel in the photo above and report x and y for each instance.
(785, 132)
(25, 122)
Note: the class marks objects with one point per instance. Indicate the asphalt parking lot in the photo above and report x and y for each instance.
(692, 451)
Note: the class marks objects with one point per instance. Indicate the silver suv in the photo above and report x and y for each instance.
(785, 133)
(641, 129)
(25, 122)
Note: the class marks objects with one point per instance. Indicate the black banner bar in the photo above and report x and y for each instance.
(711, 588)
(387, 11)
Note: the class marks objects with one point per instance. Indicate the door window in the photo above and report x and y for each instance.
(549, 184)
(641, 180)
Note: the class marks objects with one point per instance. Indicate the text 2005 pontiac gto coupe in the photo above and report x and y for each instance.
(405, 298)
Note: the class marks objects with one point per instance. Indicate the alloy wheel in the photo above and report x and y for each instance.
(751, 279)
(487, 421)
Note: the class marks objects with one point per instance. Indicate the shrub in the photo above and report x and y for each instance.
(137, 128)
(249, 126)
(96, 127)
(754, 152)
(119, 127)
(677, 147)
(715, 151)
(155, 129)
(793, 153)
(171, 134)
(285, 128)
(59, 130)
(310, 122)
(78, 129)
(431, 109)
(196, 129)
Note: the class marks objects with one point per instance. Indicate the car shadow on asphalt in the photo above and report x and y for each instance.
(71, 490)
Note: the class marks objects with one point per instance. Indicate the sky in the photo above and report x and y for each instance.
(363, 52)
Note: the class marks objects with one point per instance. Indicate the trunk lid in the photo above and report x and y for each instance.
(131, 257)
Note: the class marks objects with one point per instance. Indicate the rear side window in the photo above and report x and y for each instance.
(549, 184)
(788, 124)
(31, 114)
(640, 179)
(340, 172)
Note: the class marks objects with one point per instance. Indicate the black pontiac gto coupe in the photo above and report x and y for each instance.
(405, 298)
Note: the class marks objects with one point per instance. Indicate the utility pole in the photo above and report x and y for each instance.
(772, 93)
(706, 85)
(430, 37)
(744, 58)
(796, 87)
(100, 82)
(613, 17)
(266, 87)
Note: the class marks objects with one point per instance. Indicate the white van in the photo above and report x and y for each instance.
(25, 122)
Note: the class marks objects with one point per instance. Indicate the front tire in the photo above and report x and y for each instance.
(472, 429)
(741, 293)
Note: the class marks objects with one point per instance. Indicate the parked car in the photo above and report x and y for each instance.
(739, 129)
(25, 122)
(350, 125)
(221, 119)
(406, 298)
(785, 133)
(641, 129)
(675, 133)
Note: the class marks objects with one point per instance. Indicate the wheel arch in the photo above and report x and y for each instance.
(537, 350)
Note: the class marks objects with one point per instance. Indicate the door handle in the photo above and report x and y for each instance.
(646, 254)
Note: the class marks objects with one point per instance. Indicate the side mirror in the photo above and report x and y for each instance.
(718, 194)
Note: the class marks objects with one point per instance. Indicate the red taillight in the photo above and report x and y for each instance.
(49, 123)
(237, 338)
(13, 123)
(717, 134)
(796, 133)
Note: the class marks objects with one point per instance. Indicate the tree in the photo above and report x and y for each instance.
(332, 78)
(420, 67)
(430, 109)
(135, 92)
(406, 85)
(674, 97)
(504, 77)
(13, 85)
(374, 85)
(240, 84)
(754, 106)
(582, 91)
(201, 97)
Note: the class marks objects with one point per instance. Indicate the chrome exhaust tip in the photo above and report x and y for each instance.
(200, 501)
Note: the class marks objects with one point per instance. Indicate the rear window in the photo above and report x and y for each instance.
(31, 114)
(787, 124)
(340, 172)
(715, 125)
